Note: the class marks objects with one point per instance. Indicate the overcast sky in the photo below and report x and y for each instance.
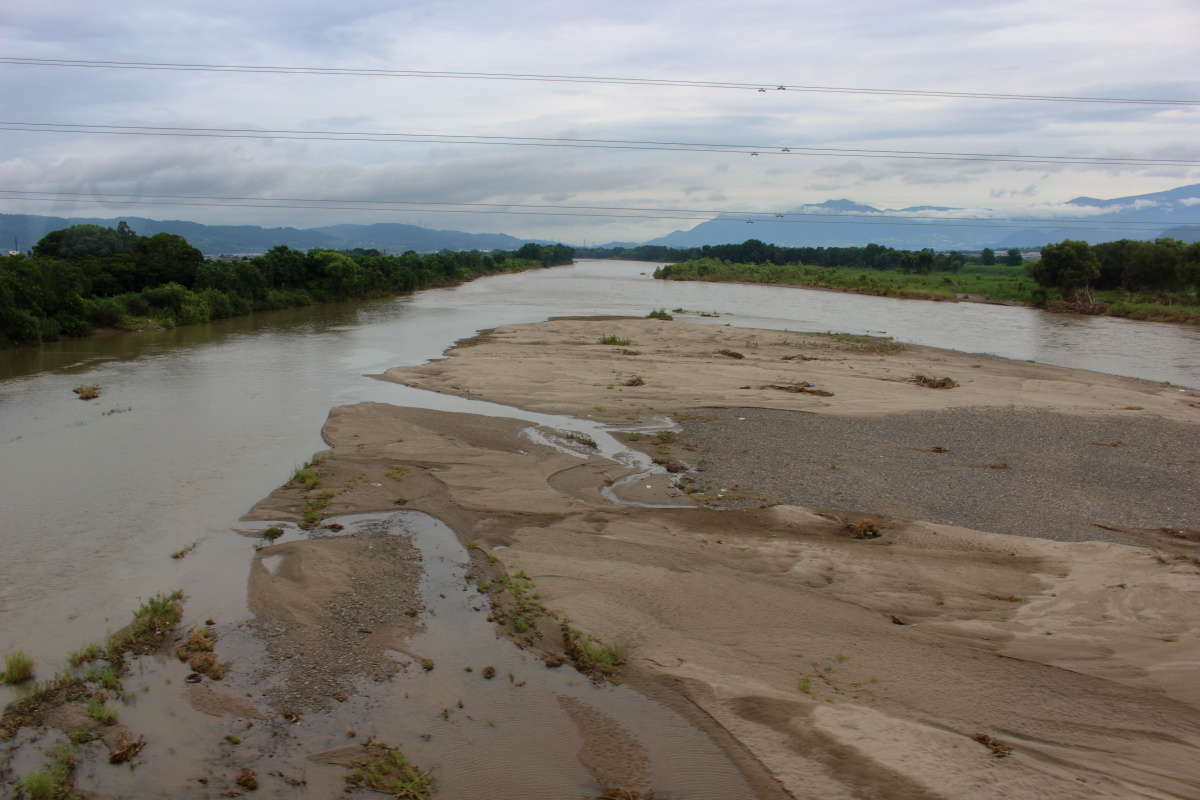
(1106, 48)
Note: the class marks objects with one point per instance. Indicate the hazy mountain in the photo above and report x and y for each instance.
(26, 230)
(836, 223)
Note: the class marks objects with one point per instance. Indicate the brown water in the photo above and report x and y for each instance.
(196, 424)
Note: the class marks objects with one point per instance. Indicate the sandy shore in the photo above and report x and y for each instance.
(846, 666)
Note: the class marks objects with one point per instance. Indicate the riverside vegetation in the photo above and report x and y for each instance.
(1157, 280)
(87, 276)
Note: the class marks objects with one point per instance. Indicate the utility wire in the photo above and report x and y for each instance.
(576, 143)
(550, 210)
(767, 86)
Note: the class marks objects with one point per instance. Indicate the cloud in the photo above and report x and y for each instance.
(1092, 47)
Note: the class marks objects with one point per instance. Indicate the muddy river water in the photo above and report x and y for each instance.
(196, 424)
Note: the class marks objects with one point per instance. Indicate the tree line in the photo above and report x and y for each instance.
(1074, 268)
(754, 251)
(88, 276)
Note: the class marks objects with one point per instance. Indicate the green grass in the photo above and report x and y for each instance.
(306, 477)
(18, 667)
(659, 313)
(593, 657)
(272, 533)
(615, 340)
(97, 710)
(524, 608)
(391, 773)
(998, 283)
(152, 621)
(85, 654)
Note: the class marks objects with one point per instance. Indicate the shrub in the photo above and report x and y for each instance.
(613, 339)
(659, 313)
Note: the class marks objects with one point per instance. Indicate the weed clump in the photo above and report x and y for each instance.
(197, 651)
(84, 655)
(389, 772)
(592, 657)
(97, 710)
(660, 313)
(583, 438)
(272, 533)
(55, 781)
(636, 380)
(153, 620)
(522, 613)
(307, 478)
(87, 391)
(18, 667)
(615, 340)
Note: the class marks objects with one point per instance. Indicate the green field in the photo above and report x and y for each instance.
(995, 283)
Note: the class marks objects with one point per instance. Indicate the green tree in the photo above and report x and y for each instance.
(1013, 258)
(987, 256)
(1069, 266)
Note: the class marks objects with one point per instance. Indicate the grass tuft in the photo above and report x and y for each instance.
(659, 313)
(592, 657)
(18, 667)
(389, 772)
(615, 340)
(97, 710)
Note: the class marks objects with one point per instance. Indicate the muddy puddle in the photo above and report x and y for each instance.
(526, 731)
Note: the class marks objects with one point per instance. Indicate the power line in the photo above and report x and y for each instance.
(208, 201)
(578, 143)
(765, 86)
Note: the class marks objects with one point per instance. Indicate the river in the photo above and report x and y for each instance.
(196, 424)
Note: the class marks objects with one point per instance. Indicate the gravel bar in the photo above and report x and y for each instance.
(1030, 473)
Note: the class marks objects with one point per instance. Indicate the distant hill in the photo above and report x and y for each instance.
(1185, 233)
(28, 229)
(1174, 207)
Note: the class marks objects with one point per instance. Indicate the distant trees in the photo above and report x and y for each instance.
(1013, 258)
(88, 276)
(1069, 266)
(987, 256)
(1075, 267)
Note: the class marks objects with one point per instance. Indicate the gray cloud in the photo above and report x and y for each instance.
(1095, 47)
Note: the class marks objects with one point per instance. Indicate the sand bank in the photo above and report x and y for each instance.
(844, 660)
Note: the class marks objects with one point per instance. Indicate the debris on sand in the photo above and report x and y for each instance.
(87, 391)
(999, 749)
(864, 529)
(933, 383)
(730, 354)
(247, 779)
(127, 747)
(799, 388)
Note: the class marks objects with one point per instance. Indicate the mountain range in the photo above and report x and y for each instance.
(25, 230)
(841, 223)
(833, 223)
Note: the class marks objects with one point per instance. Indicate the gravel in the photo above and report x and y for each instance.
(1030, 473)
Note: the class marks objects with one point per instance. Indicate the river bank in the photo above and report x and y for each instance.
(821, 658)
(994, 285)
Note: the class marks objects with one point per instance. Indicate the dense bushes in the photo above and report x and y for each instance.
(87, 276)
